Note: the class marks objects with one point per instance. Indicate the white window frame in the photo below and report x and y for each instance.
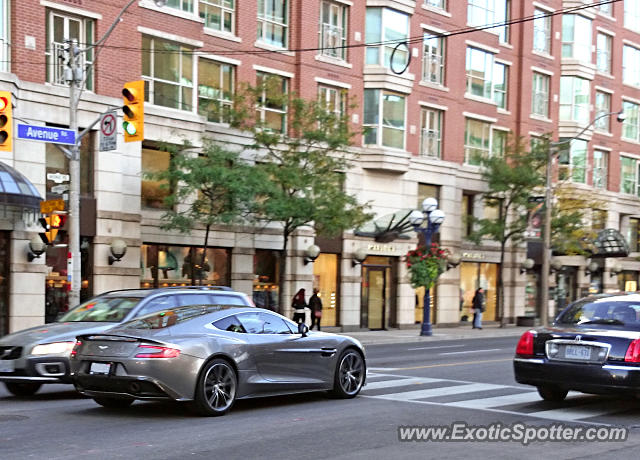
(631, 182)
(333, 36)
(333, 96)
(225, 12)
(632, 15)
(431, 132)
(577, 46)
(540, 94)
(630, 65)
(380, 126)
(55, 66)
(151, 80)
(541, 31)
(433, 61)
(575, 107)
(183, 5)
(5, 49)
(600, 168)
(265, 21)
(631, 121)
(602, 123)
(385, 46)
(485, 12)
(603, 55)
(568, 157)
(437, 4)
(486, 136)
(494, 85)
(489, 61)
(218, 97)
(263, 109)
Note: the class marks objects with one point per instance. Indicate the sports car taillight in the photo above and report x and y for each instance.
(633, 352)
(525, 344)
(153, 351)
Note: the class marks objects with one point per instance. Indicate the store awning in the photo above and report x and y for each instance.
(387, 228)
(17, 194)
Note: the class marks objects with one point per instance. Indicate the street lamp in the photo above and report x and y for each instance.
(427, 222)
(76, 77)
(546, 245)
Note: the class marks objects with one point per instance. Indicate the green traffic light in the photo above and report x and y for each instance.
(129, 128)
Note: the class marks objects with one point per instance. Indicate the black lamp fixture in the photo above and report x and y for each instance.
(311, 254)
(527, 265)
(36, 248)
(118, 249)
(359, 256)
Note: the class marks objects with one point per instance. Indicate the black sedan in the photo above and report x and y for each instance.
(592, 347)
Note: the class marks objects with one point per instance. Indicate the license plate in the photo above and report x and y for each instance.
(6, 365)
(577, 352)
(99, 368)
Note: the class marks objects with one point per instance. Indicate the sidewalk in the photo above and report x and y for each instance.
(439, 333)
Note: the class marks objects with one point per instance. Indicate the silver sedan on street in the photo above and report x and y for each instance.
(212, 355)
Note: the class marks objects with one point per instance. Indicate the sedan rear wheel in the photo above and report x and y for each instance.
(552, 393)
(350, 374)
(114, 403)
(23, 389)
(216, 389)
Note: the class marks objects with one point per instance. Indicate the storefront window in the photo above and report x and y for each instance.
(472, 276)
(163, 266)
(628, 281)
(266, 267)
(325, 278)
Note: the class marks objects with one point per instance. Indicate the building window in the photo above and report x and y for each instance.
(433, 60)
(604, 43)
(183, 5)
(167, 69)
(273, 101)
(484, 12)
(272, 22)
(384, 29)
(631, 123)
(542, 31)
(600, 169)
(479, 65)
(632, 14)
(218, 14)
(439, 4)
(540, 95)
(384, 118)
(5, 51)
(574, 99)
(598, 219)
(467, 214)
(500, 84)
(603, 107)
(498, 142)
(61, 29)
(633, 235)
(431, 133)
(576, 37)
(629, 174)
(573, 162)
(477, 141)
(215, 90)
(333, 29)
(333, 99)
(153, 191)
(630, 65)
(606, 8)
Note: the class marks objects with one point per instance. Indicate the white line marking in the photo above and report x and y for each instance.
(506, 400)
(398, 383)
(470, 351)
(435, 348)
(443, 391)
(572, 414)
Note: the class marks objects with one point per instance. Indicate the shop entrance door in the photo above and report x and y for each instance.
(374, 296)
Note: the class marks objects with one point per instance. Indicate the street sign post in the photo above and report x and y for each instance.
(108, 134)
(46, 134)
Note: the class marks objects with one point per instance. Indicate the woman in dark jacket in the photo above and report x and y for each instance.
(299, 304)
(478, 308)
(315, 305)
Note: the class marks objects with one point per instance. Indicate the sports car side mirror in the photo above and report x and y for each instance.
(303, 329)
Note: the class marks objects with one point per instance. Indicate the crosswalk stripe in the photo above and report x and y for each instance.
(571, 414)
(398, 383)
(443, 391)
(496, 401)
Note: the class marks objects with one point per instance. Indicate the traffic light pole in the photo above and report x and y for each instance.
(74, 266)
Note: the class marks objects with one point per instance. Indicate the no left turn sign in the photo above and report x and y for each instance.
(108, 140)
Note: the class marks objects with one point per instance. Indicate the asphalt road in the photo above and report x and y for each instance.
(435, 383)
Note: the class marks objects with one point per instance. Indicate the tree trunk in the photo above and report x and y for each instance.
(204, 252)
(282, 271)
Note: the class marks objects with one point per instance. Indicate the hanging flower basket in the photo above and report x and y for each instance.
(426, 265)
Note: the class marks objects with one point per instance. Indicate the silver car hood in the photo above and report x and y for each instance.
(53, 332)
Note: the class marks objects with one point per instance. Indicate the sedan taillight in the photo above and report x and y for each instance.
(153, 351)
(74, 351)
(525, 344)
(633, 352)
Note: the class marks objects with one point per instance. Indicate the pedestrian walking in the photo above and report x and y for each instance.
(315, 305)
(299, 304)
(478, 308)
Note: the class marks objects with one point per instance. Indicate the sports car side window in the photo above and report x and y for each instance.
(252, 323)
(274, 324)
(230, 323)
(157, 304)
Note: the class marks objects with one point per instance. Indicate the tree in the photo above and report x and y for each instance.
(209, 187)
(512, 178)
(301, 146)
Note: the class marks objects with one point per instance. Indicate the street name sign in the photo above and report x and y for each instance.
(59, 189)
(46, 134)
(58, 178)
(108, 135)
(47, 207)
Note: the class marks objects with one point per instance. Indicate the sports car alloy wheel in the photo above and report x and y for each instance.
(216, 391)
(349, 375)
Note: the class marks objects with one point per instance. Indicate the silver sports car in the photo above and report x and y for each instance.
(211, 355)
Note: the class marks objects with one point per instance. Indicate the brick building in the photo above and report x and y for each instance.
(548, 66)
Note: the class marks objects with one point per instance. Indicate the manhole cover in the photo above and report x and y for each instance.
(12, 418)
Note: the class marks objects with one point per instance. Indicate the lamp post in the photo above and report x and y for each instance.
(433, 217)
(546, 244)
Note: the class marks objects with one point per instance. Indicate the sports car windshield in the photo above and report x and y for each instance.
(167, 318)
(101, 309)
(602, 312)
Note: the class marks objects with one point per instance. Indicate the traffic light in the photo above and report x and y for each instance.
(52, 223)
(6, 122)
(133, 109)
